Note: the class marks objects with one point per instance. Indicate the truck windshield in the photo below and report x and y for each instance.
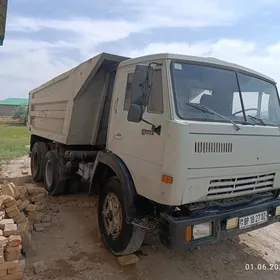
(223, 91)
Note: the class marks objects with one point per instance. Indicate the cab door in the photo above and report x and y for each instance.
(136, 144)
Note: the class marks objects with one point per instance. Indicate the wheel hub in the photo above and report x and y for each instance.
(112, 215)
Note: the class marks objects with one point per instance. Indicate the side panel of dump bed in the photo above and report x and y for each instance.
(68, 109)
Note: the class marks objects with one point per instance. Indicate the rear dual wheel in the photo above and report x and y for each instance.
(38, 153)
(53, 184)
(45, 167)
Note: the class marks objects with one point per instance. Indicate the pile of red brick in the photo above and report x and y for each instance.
(21, 210)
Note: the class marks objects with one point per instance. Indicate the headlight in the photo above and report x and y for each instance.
(202, 230)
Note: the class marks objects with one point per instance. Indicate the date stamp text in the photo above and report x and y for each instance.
(262, 266)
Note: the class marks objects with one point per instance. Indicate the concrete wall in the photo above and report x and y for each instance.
(6, 110)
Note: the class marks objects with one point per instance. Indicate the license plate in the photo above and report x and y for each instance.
(255, 219)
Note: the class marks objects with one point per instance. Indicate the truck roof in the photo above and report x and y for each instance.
(198, 59)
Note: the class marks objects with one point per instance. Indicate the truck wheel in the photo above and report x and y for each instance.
(53, 184)
(119, 237)
(38, 153)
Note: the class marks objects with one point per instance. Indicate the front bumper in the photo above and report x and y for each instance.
(172, 230)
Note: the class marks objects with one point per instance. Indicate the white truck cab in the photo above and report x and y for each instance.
(197, 148)
(191, 147)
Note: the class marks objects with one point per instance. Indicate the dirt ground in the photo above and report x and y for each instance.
(71, 249)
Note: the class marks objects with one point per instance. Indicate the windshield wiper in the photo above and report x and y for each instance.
(210, 111)
(256, 119)
(262, 121)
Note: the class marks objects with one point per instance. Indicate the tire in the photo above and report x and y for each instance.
(130, 237)
(38, 153)
(53, 185)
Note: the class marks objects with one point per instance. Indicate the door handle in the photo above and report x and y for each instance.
(118, 136)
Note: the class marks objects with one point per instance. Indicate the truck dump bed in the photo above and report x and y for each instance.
(74, 107)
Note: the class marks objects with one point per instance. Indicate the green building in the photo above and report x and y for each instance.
(7, 106)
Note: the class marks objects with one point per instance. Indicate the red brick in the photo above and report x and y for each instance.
(23, 192)
(11, 209)
(40, 205)
(8, 190)
(3, 273)
(31, 208)
(35, 216)
(10, 203)
(127, 260)
(19, 268)
(16, 276)
(34, 190)
(39, 267)
(7, 198)
(23, 205)
(17, 218)
(6, 221)
(16, 191)
(23, 226)
(22, 220)
(7, 265)
(37, 198)
(14, 214)
(10, 229)
(18, 202)
(12, 256)
(3, 241)
(23, 231)
(38, 227)
(14, 240)
(12, 249)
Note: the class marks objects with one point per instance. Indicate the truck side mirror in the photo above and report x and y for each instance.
(140, 92)
(135, 113)
(141, 85)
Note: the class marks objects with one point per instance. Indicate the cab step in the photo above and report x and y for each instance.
(148, 223)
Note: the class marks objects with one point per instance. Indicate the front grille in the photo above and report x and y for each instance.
(218, 188)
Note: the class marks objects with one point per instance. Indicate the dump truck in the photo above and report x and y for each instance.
(188, 147)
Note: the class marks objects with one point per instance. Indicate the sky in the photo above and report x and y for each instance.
(47, 37)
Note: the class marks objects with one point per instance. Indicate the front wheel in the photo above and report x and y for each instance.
(119, 237)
